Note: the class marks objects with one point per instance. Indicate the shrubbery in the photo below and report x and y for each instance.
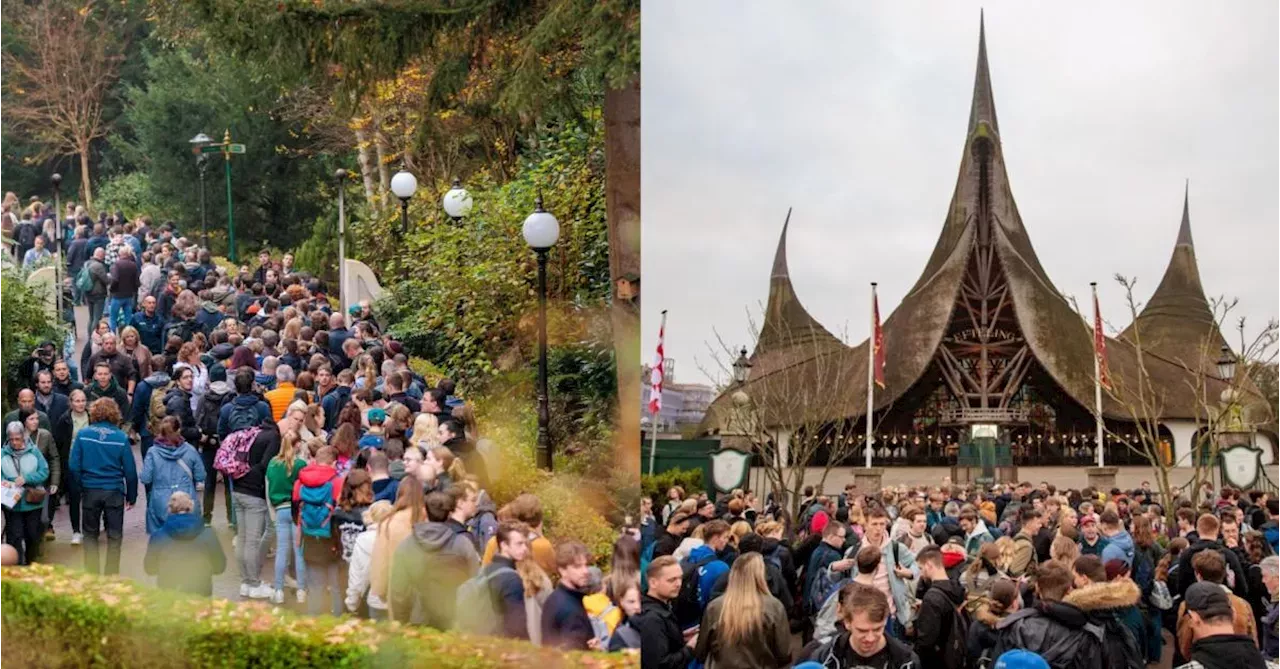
(26, 324)
(54, 617)
(656, 486)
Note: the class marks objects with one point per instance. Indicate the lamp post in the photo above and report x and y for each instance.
(56, 180)
(1227, 364)
(1231, 428)
(202, 162)
(541, 230)
(341, 176)
(404, 185)
(457, 202)
(741, 367)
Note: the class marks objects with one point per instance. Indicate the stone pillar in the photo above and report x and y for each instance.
(1102, 478)
(868, 479)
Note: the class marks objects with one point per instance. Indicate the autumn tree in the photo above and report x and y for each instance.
(61, 62)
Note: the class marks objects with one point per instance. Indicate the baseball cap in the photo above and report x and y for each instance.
(1021, 659)
(1087, 520)
(1208, 599)
(377, 416)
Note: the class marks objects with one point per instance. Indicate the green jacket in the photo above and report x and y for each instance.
(280, 482)
(28, 463)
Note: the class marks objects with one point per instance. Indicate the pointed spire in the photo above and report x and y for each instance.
(984, 103)
(1184, 231)
(780, 258)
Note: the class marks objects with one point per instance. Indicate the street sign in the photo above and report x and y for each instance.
(235, 148)
(211, 148)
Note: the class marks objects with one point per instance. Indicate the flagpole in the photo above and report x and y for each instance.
(871, 370)
(1097, 373)
(653, 424)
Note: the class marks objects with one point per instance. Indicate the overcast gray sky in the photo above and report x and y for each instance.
(855, 113)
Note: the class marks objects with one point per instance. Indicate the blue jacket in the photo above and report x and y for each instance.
(822, 556)
(709, 572)
(264, 411)
(267, 382)
(102, 459)
(30, 463)
(150, 330)
(1119, 546)
(184, 555)
(565, 623)
(58, 405)
(163, 472)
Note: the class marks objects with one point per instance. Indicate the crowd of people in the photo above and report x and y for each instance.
(352, 485)
(958, 577)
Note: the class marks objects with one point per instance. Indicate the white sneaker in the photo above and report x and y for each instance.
(233, 541)
(302, 596)
(244, 590)
(263, 591)
(277, 597)
(76, 538)
(290, 582)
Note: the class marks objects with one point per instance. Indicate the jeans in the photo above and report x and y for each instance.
(252, 512)
(120, 306)
(207, 454)
(96, 305)
(103, 507)
(1155, 642)
(323, 576)
(285, 540)
(24, 531)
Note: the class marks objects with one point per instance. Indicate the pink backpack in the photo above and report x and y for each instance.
(232, 457)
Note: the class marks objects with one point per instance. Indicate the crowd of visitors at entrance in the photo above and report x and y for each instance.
(352, 485)
(959, 577)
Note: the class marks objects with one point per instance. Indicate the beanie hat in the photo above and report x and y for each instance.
(217, 373)
(1021, 659)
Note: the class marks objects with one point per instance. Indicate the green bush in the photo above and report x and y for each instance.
(656, 486)
(55, 617)
(26, 324)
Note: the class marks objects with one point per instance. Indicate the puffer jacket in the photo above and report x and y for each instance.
(184, 555)
(1114, 605)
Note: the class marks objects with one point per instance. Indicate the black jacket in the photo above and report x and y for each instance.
(177, 403)
(1227, 651)
(934, 624)
(265, 446)
(125, 278)
(58, 406)
(1064, 635)
(507, 590)
(77, 253)
(838, 654)
(1187, 575)
(662, 645)
(471, 458)
(774, 548)
(565, 623)
(667, 543)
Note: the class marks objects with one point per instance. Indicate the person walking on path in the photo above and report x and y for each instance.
(124, 278)
(173, 466)
(25, 468)
(103, 466)
(64, 433)
(747, 626)
(183, 554)
(100, 279)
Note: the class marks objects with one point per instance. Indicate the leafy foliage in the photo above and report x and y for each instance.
(656, 486)
(189, 90)
(58, 617)
(26, 324)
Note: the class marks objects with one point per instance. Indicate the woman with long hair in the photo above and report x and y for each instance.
(1146, 548)
(426, 430)
(313, 423)
(1064, 550)
(449, 468)
(1003, 598)
(346, 442)
(65, 430)
(131, 345)
(981, 574)
(410, 509)
(282, 472)
(746, 627)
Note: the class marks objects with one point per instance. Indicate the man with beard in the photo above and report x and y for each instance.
(63, 384)
(48, 401)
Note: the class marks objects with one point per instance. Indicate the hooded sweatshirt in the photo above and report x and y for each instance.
(1119, 547)
(185, 555)
(170, 468)
(426, 570)
(1114, 605)
(711, 569)
(142, 400)
(933, 624)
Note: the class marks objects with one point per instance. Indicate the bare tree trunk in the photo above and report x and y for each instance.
(622, 200)
(366, 170)
(384, 174)
(86, 192)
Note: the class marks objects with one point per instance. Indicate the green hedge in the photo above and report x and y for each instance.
(656, 486)
(56, 617)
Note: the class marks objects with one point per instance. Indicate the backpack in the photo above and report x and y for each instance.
(688, 606)
(156, 410)
(774, 558)
(241, 418)
(183, 330)
(825, 582)
(315, 510)
(600, 626)
(84, 280)
(232, 457)
(26, 234)
(1033, 565)
(477, 611)
(207, 416)
(956, 646)
(1119, 647)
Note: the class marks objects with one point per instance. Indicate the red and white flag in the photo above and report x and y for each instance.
(655, 374)
(877, 338)
(1100, 344)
